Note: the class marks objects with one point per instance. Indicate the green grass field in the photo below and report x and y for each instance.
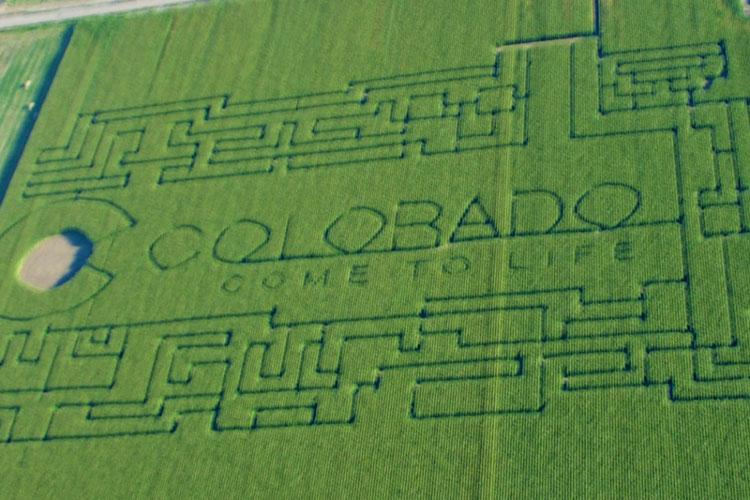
(27, 62)
(386, 249)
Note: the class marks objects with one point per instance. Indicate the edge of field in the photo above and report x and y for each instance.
(29, 60)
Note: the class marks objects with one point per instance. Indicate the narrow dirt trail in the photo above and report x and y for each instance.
(13, 17)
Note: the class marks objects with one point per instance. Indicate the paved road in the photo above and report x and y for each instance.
(12, 17)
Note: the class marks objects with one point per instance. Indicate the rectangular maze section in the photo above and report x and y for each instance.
(393, 118)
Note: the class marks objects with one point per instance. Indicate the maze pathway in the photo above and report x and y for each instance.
(402, 240)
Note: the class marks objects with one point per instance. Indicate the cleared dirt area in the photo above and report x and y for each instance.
(54, 260)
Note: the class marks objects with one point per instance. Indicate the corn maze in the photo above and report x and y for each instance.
(558, 218)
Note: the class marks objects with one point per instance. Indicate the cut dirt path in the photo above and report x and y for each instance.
(17, 16)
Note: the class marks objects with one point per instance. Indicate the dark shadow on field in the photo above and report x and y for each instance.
(83, 247)
(9, 168)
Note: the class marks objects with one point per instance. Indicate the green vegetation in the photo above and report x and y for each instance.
(742, 7)
(400, 249)
(27, 63)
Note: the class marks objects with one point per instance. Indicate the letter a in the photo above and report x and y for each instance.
(475, 224)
